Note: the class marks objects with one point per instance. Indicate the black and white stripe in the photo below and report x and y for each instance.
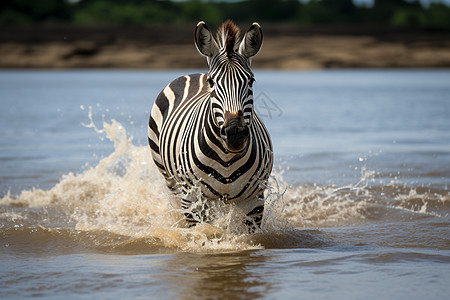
(204, 134)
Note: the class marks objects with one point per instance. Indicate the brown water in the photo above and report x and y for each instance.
(350, 213)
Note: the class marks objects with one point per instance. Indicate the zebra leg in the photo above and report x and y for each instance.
(188, 216)
(194, 212)
(255, 216)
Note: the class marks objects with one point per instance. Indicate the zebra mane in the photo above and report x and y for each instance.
(228, 36)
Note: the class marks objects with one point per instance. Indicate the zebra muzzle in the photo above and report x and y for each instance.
(235, 136)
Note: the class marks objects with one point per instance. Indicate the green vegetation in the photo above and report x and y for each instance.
(141, 12)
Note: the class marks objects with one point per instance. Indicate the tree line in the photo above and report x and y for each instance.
(150, 12)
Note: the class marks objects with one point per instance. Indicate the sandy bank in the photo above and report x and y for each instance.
(290, 48)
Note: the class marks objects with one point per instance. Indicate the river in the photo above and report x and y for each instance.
(358, 204)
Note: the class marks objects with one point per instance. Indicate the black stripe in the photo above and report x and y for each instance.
(257, 210)
(153, 146)
(163, 104)
(153, 126)
(159, 165)
(177, 87)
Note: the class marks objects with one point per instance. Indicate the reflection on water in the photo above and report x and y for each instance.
(228, 276)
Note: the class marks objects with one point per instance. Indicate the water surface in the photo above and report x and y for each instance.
(357, 207)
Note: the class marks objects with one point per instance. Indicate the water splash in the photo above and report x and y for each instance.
(125, 195)
(123, 203)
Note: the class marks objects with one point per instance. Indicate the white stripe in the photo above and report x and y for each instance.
(186, 87)
(170, 97)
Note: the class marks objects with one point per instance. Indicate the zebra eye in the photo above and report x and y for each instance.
(251, 81)
(211, 82)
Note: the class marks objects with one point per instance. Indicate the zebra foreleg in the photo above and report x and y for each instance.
(254, 218)
(194, 212)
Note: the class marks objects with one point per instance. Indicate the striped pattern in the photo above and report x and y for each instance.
(185, 135)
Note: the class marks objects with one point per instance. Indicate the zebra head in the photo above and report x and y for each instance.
(230, 79)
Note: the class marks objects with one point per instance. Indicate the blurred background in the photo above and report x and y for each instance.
(158, 34)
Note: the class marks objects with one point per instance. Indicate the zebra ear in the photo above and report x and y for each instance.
(204, 40)
(252, 41)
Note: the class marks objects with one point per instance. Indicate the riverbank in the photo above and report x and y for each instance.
(285, 47)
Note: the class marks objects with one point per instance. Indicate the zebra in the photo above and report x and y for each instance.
(203, 131)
